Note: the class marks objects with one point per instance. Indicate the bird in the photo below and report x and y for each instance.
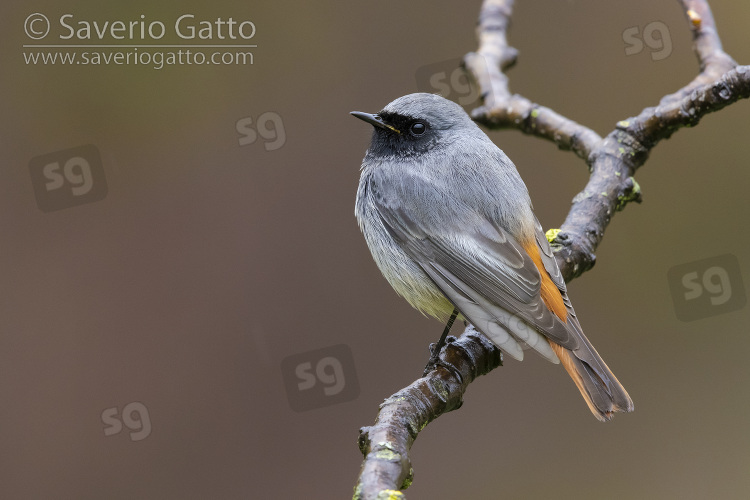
(450, 225)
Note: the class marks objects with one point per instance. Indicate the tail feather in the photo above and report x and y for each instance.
(604, 398)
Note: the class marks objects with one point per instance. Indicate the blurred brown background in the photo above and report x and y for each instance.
(176, 298)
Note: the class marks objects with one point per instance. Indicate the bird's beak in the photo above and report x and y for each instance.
(374, 120)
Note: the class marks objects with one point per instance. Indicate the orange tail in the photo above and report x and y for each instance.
(599, 387)
(602, 399)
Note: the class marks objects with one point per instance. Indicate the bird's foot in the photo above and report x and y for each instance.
(435, 349)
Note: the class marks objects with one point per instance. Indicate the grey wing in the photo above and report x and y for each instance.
(486, 274)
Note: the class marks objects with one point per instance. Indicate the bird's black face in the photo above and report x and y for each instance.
(399, 135)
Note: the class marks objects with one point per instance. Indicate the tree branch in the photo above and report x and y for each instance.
(614, 159)
(612, 162)
(503, 110)
(386, 444)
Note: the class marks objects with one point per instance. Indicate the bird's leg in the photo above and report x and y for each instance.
(435, 352)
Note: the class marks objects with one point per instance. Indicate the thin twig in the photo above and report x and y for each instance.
(500, 108)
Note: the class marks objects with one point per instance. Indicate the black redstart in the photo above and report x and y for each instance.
(450, 224)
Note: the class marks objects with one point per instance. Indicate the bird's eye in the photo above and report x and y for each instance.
(417, 128)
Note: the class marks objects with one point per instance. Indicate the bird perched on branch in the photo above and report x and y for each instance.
(450, 224)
